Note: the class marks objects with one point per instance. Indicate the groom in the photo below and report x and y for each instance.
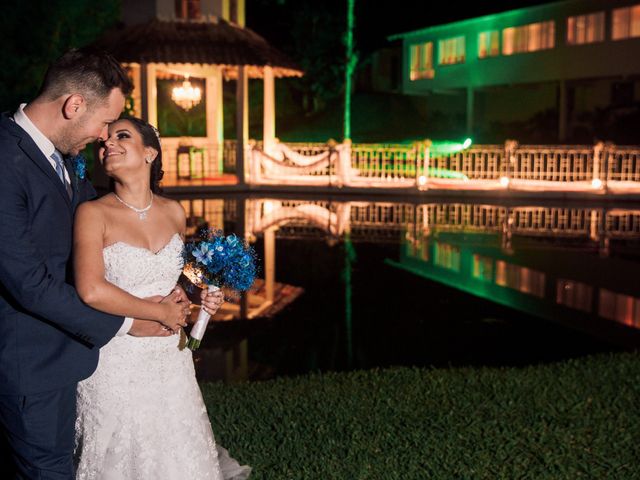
(49, 339)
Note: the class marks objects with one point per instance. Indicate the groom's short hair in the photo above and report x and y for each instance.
(89, 72)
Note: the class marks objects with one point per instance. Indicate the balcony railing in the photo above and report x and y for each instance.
(420, 165)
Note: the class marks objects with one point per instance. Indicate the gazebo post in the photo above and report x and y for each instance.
(269, 119)
(214, 117)
(149, 93)
(242, 122)
(144, 96)
(135, 70)
(270, 263)
(152, 91)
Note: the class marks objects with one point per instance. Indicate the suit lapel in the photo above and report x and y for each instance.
(32, 151)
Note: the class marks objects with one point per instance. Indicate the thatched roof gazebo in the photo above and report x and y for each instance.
(160, 39)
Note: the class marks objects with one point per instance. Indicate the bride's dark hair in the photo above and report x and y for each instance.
(150, 138)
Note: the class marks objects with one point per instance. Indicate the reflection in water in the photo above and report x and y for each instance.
(546, 253)
(575, 266)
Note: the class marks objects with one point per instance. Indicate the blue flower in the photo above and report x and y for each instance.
(229, 261)
(80, 166)
(203, 253)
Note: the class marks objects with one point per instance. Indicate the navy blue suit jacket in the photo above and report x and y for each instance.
(48, 337)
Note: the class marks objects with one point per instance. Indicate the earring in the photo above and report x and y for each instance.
(148, 159)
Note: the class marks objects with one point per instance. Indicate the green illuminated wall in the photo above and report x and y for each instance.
(599, 60)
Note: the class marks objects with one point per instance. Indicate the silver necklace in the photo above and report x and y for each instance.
(142, 212)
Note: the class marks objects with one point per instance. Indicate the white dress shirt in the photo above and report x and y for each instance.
(44, 144)
(47, 148)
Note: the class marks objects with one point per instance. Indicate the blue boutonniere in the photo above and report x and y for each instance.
(80, 166)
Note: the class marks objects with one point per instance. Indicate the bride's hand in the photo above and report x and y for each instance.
(176, 311)
(211, 301)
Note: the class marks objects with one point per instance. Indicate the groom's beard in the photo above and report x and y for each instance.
(71, 139)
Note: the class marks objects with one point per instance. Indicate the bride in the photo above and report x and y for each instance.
(141, 415)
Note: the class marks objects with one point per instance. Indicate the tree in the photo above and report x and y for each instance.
(351, 60)
(35, 32)
(310, 32)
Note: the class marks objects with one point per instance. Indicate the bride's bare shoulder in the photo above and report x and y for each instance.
(92, 206)
(91, 215)
(172, 208)
(97, 206)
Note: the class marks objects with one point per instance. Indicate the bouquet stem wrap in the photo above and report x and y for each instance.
(198, 329)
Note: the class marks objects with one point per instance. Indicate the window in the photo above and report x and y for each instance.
(619, 308)
(625, 22)
(187, 9)
(585, 29)
(574, 294)
(528, 38)
(421, 61)
(489, 44)
(451, 51)
(447, 256)
(482, 268)
(520, 278)
(418, 248)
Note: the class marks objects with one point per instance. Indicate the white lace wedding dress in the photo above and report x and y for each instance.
(141, 415)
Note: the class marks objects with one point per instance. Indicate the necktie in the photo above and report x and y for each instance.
(60, 171)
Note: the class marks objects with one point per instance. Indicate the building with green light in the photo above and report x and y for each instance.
(570, 67)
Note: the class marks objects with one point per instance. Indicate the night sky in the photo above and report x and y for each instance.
(375, 19)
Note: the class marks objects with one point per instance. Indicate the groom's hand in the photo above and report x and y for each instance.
(181, 294)
(148, 328)
(178, 311)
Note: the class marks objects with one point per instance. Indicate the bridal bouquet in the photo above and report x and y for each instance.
(217, 261)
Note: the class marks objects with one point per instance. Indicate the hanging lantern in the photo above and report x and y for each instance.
(186, 96)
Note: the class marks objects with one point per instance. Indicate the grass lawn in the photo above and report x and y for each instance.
(570, 420)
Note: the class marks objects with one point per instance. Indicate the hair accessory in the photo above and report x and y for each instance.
(155, 130)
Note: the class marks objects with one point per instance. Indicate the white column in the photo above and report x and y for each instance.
(241, 12)
(241, 232)
(149, 93)
(144, 96)
(215, 119)
(269, 120)
(137, 89)
(269, 262)
(242, 122)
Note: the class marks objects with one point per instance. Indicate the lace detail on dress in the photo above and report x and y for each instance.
(141, 415)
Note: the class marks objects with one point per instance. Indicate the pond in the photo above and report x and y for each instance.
(354, 283)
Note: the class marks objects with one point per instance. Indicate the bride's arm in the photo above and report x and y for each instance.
(95, 290)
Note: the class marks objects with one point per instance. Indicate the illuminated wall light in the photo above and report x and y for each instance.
(447, 147)
(422, 180)
(596, 183)
(268, 207)
(504, 181)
